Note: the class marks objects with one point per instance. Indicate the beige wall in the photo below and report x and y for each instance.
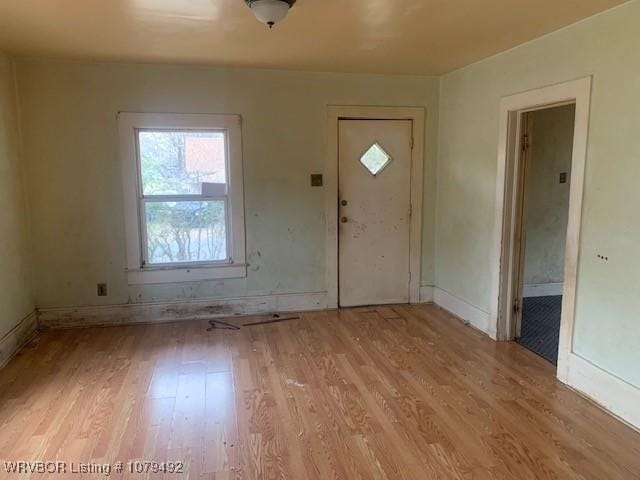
(607, 329)
(71, 146)
(16, 300)
(551, 145)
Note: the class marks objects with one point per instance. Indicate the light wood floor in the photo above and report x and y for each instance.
(387, 393)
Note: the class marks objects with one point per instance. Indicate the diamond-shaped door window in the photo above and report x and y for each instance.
(375, 159)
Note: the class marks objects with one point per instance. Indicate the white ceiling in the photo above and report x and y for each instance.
(422, 37)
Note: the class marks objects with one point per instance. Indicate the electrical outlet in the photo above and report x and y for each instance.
(102, 289)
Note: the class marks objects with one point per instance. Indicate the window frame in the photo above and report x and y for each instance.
(138, 270)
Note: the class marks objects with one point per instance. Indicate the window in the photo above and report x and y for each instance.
(375, 159)
(184, 211)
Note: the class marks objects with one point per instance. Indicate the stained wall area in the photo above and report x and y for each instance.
(547, 199)
(71, 145)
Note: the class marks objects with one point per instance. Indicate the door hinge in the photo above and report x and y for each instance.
(525, 142)
(516, 306)
(411, 143)
(410, 210)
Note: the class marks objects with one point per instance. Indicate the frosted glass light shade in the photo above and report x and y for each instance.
(270, 12)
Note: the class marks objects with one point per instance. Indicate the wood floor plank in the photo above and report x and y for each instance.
(391, 393)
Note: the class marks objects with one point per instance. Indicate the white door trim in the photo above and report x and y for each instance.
(511, 108)
(336, 113)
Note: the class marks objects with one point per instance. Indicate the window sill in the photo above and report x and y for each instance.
(180, 275)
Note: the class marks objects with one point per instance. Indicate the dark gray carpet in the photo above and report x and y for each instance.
(541, 326)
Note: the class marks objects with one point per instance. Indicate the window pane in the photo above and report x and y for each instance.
(179, 232)
(178, 162)
(375, 159)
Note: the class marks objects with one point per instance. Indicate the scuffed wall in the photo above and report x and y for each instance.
(72, 151)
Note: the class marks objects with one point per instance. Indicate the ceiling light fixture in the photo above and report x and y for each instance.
(270, 12)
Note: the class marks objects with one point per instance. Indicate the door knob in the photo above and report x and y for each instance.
(343, 219)
(343, 203)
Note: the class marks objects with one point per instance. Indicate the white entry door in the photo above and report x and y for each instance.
(374, 188)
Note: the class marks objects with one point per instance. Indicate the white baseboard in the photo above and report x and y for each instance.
(543, 289)
(128, 314)
(467, 312)
(613, 394)
(426, 294)
(17, 337)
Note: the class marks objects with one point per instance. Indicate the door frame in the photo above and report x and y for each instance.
(520, 221)
(335, 113)
(505, 246)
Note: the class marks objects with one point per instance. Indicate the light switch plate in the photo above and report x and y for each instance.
(316, 179)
